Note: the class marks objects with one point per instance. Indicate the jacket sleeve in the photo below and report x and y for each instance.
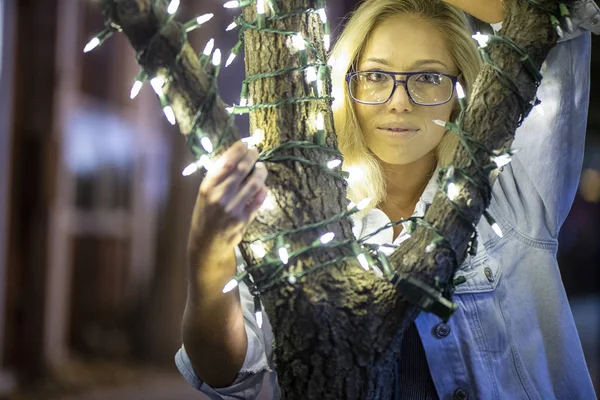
(534, 193)
(248, 383)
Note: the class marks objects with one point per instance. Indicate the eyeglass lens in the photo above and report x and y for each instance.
(376, 87)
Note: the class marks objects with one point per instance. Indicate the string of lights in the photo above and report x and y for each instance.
(274, 249)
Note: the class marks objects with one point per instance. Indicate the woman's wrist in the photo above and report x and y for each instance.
(490, 11)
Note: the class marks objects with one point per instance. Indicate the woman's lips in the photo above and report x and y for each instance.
(399, 132)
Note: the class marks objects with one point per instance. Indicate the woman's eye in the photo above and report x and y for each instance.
(434, 79)
(375, 76)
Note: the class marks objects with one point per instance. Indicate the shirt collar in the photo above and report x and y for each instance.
(376, 218)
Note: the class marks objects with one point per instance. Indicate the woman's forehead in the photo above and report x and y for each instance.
(404, 42)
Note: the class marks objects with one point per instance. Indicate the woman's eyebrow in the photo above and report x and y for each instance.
(418, 63)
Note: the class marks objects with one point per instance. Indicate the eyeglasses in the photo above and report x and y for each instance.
(423, 88)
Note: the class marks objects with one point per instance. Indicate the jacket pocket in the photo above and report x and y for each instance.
(481, 273)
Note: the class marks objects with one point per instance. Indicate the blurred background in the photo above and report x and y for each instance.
(94, 211)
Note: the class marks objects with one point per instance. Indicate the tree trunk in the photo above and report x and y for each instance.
(337, 330)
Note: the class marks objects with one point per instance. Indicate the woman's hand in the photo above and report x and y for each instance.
(229, 197)
(490, 11)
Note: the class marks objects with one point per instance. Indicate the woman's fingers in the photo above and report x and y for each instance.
(248, 190)
(234, 161)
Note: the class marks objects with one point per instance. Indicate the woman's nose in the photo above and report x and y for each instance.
(400, 100)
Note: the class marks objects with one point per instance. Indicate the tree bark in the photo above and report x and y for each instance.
(338, 330)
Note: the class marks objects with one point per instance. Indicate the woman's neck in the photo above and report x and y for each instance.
(405, 185)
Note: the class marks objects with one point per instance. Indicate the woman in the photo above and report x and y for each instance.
(513, 335)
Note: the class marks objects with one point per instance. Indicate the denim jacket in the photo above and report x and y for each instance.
(513, 335)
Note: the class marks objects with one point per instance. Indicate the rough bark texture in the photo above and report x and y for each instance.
(337, 331)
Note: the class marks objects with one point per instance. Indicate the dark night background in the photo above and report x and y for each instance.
(94, 211)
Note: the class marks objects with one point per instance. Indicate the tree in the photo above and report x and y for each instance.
(337, 327)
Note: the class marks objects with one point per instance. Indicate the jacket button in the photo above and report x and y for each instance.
(442, 330)
(489, 274)
(461, 394)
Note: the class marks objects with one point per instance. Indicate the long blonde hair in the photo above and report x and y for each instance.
(454, 26)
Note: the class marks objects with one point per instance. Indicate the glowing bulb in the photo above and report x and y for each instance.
(190, 169)
(230, 60)
(497, 229)
(311, 74)
(204, 18)
(259, 318)
(298, 42)
(209, 47)
(430, 247)
(283, 255)
(320, 122)
(232, 284)
(216, 59)
(269, 203)
(231, 4)
(334, 163)
(362, 259)
(539, 109)
(481, 39)
(326, 41)
(243, 102)
(439, 122)
(157, 84)
(322, 14)
(292, 279)
(170, 115)
(502, 160)
(460, 91)
(229, 109)
(91, 45)
(135, 89)
(206, 162)
(258, 249)
(207, 144)
(355, 174)
(260, 6)
(328, 237)
(231, 26)
(173, 6)
(363, 203)
(452, 191)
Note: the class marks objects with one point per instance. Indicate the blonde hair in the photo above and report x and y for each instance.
(454, 26)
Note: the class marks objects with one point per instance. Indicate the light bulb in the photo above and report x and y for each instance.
(452, 191)
(269, 203)
(502, 160)
(157, 84)
(232, 284)
(206, 144)
(231, 26)
(216, 59)
(497, 229)
(326, 41)
(259, 318)
(173, 6)
(231, 4)
(334, 163)
(481, 39)
(283, 255)
(320, 122)
(260, 6)
(460, 91)
(170, 115)
(439, 122)
(204, 18)
(362, 259)
(190, 169)
(209, 47)
(355, 174)
(258, 249)
(298, 42)
(328, 237)
(230, 60)
(322, 15)
(206, 162)
(364, 203)
(135, 89)
(311, 74)
(92, 44)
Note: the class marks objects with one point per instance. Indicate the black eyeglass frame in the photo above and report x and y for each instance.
(404, 82)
